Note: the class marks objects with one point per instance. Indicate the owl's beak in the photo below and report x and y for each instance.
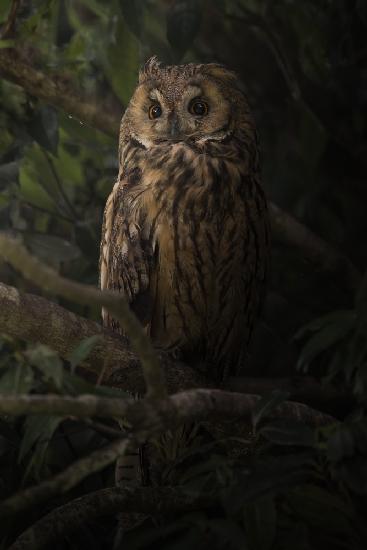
(174, 127)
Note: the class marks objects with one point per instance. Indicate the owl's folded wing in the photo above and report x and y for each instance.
(125, 257)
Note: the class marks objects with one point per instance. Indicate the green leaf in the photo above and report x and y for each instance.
(48, 362)
(7, 44)
(122, 62)
(76, 385)
(17, 379)
(4, 9)
(340, 444)
(38, 431)
(328, 336)
(81, 352)
(266, 404)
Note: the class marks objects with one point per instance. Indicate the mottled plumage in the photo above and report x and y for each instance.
(185, 231)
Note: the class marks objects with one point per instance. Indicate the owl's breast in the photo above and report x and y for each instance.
(194, 215)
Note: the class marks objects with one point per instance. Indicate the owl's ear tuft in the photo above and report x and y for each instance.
(150, 69)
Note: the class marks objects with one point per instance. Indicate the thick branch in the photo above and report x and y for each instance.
(55, 91)
(47, 278)
(36, 319)
(145, 500)
(151, 416)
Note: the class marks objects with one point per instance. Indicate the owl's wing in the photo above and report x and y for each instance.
(126, 255)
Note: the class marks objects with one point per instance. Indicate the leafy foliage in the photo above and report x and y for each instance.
(273, 485)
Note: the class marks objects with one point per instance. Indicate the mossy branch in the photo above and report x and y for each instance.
(48, 279)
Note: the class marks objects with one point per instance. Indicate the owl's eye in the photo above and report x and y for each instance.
(155, 111)
(198, 107)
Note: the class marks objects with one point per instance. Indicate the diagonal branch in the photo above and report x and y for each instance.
(47, 278)
(145, 500)
(55, 91)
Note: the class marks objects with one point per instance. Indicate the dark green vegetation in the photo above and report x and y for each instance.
(304, 68)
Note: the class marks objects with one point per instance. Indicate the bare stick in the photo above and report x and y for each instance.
(47, 278)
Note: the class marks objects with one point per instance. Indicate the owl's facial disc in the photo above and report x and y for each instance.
(196, 111)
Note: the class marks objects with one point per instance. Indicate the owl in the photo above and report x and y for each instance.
(185, 230)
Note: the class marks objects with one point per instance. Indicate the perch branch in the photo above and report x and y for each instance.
(153, 417)
(47, 278)
(38, 320)
(54, 90)
(145, 500)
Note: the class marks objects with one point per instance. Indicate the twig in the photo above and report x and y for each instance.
(8, 28)
(47, 278)
(146, 500)
(66, 480)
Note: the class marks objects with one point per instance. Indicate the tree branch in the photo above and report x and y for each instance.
(47, 278)
(145, 500)
(147, 418)
(38, 320)
(55, 91)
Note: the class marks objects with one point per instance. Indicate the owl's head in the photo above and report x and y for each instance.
(197, 103)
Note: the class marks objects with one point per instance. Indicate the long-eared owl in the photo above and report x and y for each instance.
(185, 231)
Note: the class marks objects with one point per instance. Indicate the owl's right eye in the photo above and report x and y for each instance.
(155, 111)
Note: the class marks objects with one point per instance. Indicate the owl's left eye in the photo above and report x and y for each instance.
(198, 107)
(155, 111)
